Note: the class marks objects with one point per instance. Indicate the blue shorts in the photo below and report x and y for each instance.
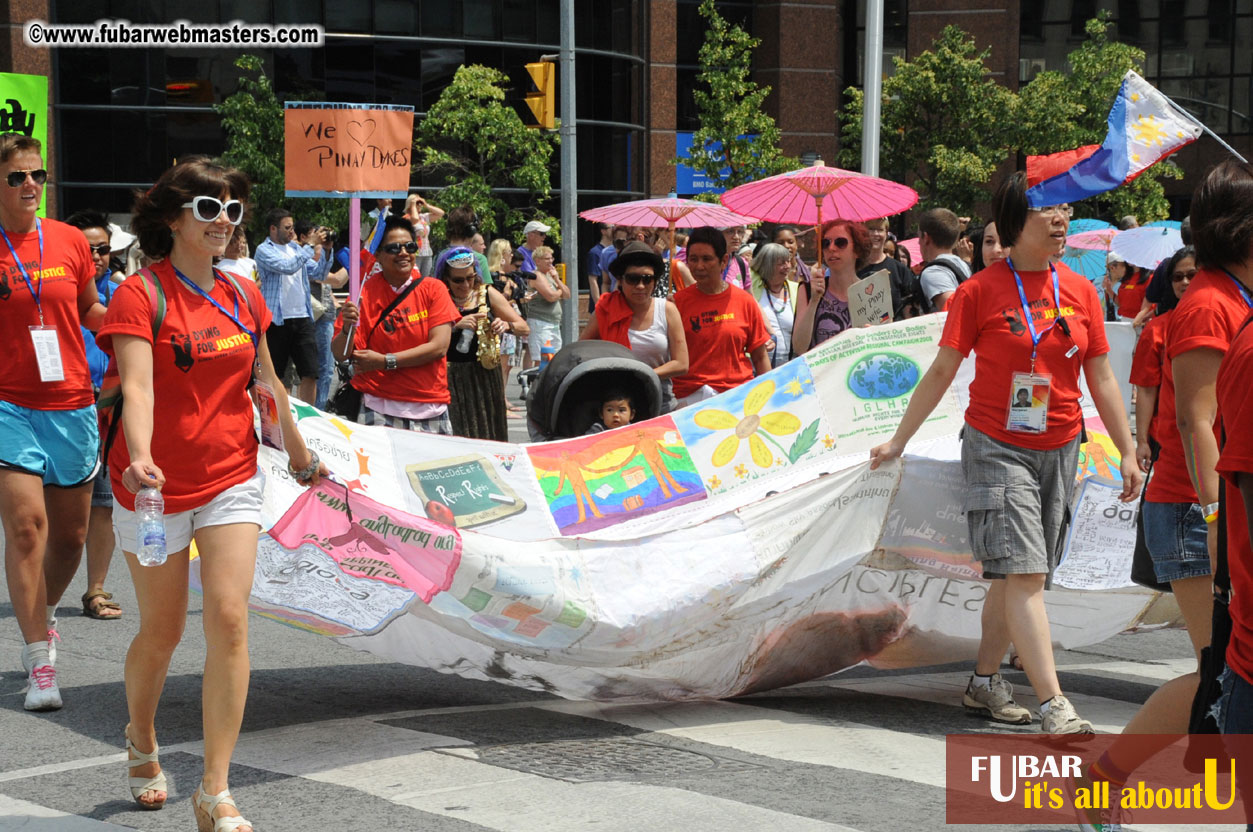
(62, 447)
(1175, 536)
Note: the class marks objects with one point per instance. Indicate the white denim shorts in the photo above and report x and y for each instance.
(237, 504)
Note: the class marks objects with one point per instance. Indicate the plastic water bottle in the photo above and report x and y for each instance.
(546, 353)
(150, 511)
(463, 341)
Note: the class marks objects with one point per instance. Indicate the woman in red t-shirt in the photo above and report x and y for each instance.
(1032, 326)
(202, 455)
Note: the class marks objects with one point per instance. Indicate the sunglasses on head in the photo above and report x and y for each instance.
(103, 249)
(396, 248)
(638, 279)
(18, 177)
(839, 242)
(209, 208)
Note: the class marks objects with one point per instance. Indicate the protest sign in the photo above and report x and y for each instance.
(24, 109)
(347, 150)
(870, 300)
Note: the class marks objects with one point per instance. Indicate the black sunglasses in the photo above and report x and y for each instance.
(638, 279)
(101, 249)
(457, 280)
(18, 177)
(395, 248)
(839, 242)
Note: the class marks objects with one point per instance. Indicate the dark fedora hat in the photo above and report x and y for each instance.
(636, 254)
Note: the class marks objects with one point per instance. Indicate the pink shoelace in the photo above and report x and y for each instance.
(45, 677)
(53, 634)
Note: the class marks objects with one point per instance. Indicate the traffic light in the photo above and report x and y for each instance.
(543, 102)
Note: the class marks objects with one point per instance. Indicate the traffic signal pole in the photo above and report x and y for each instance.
(569, 177)
(872, 84)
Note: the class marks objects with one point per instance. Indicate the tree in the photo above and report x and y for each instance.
(478, 141)
(946, 125)
(736, 135)
(1061, 111)
(252, 118)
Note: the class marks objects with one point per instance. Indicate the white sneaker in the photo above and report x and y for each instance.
(42, 692)
(53, 638)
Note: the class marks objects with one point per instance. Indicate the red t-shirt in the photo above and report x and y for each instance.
(721, 330)
(1235, 402)
(202, 434)
(985, 314)
(1207, 317)
(407, 326)
(1146, 366)
(1131, 296)
(67, 269)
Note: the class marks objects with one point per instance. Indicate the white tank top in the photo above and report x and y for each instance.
(652, 346)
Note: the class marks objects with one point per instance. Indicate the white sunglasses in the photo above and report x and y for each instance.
(208, 209)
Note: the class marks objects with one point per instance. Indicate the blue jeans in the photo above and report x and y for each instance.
(1235, 712)
(324, 331)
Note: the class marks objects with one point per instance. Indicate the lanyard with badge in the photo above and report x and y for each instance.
(43, 338)
(267, 403)
(1244, 292)
(1029, 391)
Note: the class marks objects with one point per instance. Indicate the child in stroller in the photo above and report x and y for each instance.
(564, 400)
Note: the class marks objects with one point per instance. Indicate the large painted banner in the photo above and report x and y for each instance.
(737, 545)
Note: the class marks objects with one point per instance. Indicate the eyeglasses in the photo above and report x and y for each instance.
(18, 177)
(619, 243)
(1062, 210)
(209, 208)
(396, 248)
(458, 280)
(638, 279)
(839, 242)
(1179, 276)
(103, 249)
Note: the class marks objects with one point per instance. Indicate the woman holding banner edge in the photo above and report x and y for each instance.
(202, 392)
(1019, 462)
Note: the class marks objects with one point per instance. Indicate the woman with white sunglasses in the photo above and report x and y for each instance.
(195, 364)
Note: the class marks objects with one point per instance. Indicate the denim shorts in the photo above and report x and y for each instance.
(1017, 503)
(62, 447)
(102, 489)
(1175, 534)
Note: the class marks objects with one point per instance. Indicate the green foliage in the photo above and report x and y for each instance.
(735, 132)
(479, 143)
(252, 118)
(1064, 111)
(946, 124)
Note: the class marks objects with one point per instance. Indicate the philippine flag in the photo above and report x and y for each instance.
(1144, 127)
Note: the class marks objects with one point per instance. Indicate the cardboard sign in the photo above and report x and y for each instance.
(870, 300)
(346, 150)
(24, 109)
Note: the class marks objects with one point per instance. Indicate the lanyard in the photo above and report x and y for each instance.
(1244, 293)
(1036, 338)
(235, 317)
(21, 268)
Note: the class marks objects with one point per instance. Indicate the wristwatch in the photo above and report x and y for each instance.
(389, 361)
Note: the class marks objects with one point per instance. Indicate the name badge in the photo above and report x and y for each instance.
(267, 406)
(1029, 403)
(47, 353)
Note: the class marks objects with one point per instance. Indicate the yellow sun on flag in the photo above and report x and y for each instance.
(1148, 131)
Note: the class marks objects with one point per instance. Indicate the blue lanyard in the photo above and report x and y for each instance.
(1244, 293)
(1026, 310)
(17, 260)
(195, 288)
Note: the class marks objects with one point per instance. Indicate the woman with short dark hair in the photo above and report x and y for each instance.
(1032, 325)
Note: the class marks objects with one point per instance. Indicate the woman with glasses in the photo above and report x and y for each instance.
(48, 435)
(543, 308)
(823, 312)
(401, 327)
(1033, 326)
(196, 372)
(633, 316)
(482, 316)
(777, 297)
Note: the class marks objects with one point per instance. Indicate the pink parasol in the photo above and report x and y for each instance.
(1097, 238)
(665, 213)
(805, 196)
(914, 246)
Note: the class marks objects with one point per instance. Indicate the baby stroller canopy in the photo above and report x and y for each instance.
(565, 400)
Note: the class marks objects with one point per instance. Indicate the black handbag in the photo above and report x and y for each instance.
(1214, 657)
(346, 403)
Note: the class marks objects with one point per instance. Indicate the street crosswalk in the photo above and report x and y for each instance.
(858, 752)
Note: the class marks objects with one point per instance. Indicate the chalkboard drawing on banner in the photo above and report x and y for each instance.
(465, 489)
(596, 481)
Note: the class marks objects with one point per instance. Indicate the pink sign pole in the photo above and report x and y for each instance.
(354, 265)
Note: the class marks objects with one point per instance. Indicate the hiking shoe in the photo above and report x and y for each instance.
(1062, 719)
(1107, 819)
(996, 701)
(42, 693)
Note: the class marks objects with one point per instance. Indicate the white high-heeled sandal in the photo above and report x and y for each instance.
(139, 785)
(204, 805)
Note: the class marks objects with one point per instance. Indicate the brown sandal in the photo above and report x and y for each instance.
(105, 602)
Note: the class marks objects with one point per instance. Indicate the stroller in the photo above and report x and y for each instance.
(564, 400)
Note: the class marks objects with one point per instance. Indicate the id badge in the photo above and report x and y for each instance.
(267, 406)
(1029, 403)
(47, 353)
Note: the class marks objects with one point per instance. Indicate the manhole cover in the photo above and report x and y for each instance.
(609, 758)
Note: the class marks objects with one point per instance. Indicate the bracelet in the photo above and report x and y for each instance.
(389, 361)
(1210, 519)
(305, 474)
(1210, 508)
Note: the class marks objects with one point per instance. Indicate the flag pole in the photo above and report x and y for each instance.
(1205, 128)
